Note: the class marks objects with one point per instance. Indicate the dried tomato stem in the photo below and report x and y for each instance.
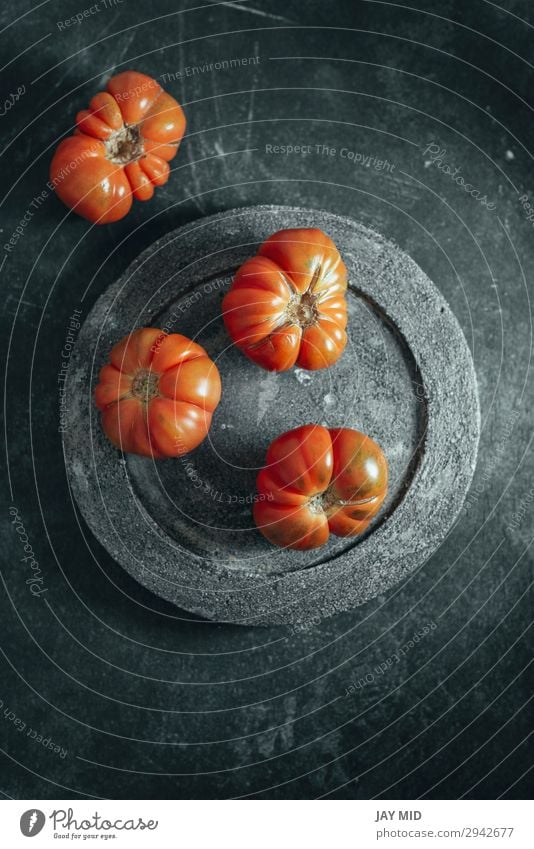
(125, 145)
(145, 385)
(302, 309)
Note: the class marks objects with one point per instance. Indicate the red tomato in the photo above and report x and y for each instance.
(287, 304)
(120, 149)
(318, 481)
(158, 393)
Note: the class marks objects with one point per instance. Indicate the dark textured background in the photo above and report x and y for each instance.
(151, 704)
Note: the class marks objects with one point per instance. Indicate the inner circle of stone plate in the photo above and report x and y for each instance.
(183, 527)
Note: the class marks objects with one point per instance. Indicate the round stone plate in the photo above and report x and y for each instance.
(183, 527)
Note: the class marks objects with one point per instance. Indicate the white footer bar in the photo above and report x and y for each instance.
(268, 824)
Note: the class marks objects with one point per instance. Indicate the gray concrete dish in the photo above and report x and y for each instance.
(183, 527)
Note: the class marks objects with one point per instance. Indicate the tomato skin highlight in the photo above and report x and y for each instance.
(317, 481)
(120, 149)
(158, 393)
(286, 305)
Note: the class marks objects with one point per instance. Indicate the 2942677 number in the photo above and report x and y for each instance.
(487, 831)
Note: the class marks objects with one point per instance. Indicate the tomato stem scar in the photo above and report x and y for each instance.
(302, 309)
(125, 145)
(325, 501)
(145, 385)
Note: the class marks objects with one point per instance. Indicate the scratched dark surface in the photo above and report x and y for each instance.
(139, 700)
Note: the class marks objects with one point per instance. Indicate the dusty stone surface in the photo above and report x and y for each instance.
(183, 527)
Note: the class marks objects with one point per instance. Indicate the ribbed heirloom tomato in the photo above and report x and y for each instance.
(287, 304)
(157, 394)
(120, 149)
(318, 481)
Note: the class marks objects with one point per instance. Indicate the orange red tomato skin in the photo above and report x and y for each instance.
(286, 305)
(157, 394)
(317, 481)
(120, 149)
